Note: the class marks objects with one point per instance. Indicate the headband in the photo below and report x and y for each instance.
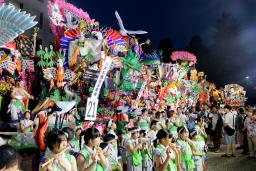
(135, 130)
(182, 129)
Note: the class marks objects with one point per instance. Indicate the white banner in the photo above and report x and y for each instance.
(101, 78)
(92, 102)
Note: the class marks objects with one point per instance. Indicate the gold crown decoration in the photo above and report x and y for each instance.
(83, 25)
(201, 74)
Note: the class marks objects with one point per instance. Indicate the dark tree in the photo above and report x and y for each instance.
(226, 52)
(197, 47)
(166, 47)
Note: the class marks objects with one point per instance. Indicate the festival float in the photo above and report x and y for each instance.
(92, 74)
(234, 95)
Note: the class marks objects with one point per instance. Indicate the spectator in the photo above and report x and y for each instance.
(246, 148)
(217, 124)
(229, 132)
(239, 128)
(250, 126)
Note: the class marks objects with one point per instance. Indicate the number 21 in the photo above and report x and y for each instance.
(91, 106)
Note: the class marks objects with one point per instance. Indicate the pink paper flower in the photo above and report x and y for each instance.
(184, 56)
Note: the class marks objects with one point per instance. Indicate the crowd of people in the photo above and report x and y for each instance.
(157, 140)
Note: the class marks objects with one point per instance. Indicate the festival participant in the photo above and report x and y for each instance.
(154, 127)
(78, 133)
(123, 135)
(25, 138)
(202, 135)
(146, 151)
(153, 114)
(187, 149)
(173, 123)
(71, 119)
(106, 152)
(134, 150)
(145, 119)
(53, 123)
(113, 162)
(229, 134)
(204, 111)
(73, 145)
(200, 128)
(145, 115)
(182, 118)
(91, 156)
(9, 158)
(165, 156)
(250, 126)
(191, 119)
(26, 125)
(163, 113)
(17, 107)
(168, 108)
(194, 112)
(161, 119)
(57, 144)
(41, 127)
(207, 116)
(111, 127)
(200, 146)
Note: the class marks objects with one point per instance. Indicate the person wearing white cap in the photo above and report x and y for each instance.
(125, 138)
(199, 146)
(111, 127)
(146, 151)
(134, 151)
(187, 149)
(173, 123)
(113, 156)
(154, 127)
(165, 155)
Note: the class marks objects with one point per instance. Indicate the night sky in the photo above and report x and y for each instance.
(228, 59)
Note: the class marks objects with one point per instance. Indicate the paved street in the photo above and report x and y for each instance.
(239, 163)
